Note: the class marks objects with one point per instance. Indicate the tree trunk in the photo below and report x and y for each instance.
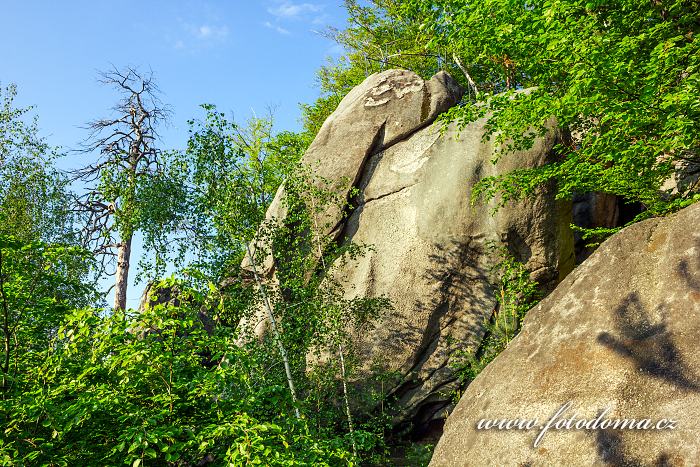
(122, 276)
(347, 399)
(273, 324)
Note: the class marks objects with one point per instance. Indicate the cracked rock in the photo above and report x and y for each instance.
(429, 251)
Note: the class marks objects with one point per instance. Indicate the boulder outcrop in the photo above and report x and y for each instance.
(620, 334)
(386, 108)
(430, 246)
(430, 256)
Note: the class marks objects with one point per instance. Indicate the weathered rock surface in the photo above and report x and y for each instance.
(685, 179)
(384, 109)
(622, 332)
(430, 253)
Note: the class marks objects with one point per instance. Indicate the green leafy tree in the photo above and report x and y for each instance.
(234, 173)
(41, 268)
(312, 315)
(623, 78)
(34, 200)
(158, 388)
(39, 284)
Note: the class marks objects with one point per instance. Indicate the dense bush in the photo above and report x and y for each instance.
(155, 388)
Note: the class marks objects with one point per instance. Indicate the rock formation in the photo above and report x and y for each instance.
(386, 108)
(431, 258)
(622, 332)
(430, 252)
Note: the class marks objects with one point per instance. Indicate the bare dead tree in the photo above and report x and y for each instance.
(127, 153)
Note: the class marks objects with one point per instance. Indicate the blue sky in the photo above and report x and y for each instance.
(243, 56)
(240, 55)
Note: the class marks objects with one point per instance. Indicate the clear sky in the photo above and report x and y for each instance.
(241, 55)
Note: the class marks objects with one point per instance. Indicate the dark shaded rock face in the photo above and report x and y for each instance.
(621, 331)
(593, 210)
(430, 253)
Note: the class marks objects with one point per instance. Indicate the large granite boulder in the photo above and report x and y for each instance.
(386, 108)
(618, 338)
(430, 247)
(431, 256)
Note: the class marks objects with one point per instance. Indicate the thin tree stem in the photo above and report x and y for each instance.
(347, 399)
(273, 323)
(340, 346)
(472, 84)
(5, 327)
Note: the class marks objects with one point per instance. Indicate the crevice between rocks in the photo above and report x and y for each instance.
(376, 198)
(375, 151)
